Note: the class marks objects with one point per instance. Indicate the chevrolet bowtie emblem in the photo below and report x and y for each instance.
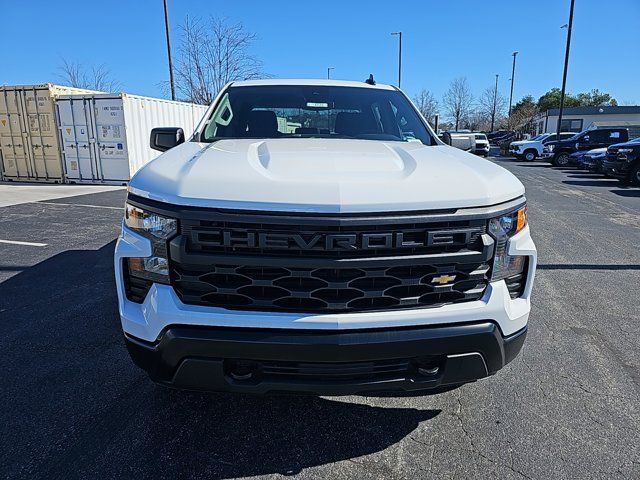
(444, 279)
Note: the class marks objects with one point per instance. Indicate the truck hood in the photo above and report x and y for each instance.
(324, 175)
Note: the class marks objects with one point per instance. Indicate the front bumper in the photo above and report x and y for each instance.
(616, 169)
(188, 346)
(326, 363)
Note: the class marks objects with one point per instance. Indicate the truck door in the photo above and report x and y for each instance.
(590, 140)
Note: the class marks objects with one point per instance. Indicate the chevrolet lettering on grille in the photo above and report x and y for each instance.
(335, 241)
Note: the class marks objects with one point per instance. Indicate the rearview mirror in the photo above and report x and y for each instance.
(165, 138)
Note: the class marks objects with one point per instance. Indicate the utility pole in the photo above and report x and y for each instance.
(566, 66)
(513, 75)
(166, 26)
(329, 72)
(495, 99)
(399, 56)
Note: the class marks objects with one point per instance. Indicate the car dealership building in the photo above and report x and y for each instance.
(577, 119)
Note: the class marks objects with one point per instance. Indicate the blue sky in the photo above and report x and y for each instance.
(442, 40)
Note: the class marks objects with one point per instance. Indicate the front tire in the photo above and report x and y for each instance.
(634, 175)
(530, 155)
(561, 160)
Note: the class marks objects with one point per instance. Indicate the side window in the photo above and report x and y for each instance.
(615, 135)
(591, 137)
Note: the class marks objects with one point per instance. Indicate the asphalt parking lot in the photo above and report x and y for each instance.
(74, 406)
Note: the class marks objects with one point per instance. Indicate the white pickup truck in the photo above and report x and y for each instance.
(532, 148)
(355, 252)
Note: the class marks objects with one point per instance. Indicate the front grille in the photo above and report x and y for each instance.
(251, 371)
(329, 289)
(356, 371)
(384, 263)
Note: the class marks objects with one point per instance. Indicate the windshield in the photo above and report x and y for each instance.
(539, 137)
(295, 111)
(481, 136)
(563, 136)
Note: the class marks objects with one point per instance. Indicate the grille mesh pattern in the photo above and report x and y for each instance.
(329, 289)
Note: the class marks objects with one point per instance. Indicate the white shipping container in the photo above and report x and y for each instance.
(29, 137)
(105, 137)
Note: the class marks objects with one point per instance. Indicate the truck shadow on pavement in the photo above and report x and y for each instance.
(74, 405)
(627, 193)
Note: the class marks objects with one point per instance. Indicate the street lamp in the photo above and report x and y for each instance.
(329, 72)
(399, 34)
(495, 99)
(566, 66)
(513, 75)
(166, 27)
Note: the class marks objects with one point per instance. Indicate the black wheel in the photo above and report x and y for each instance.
(530, 155)
(634, 175)
(561, 160)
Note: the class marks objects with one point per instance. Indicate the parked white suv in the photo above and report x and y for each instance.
(316, 236)
(532, 149)
(482, 144)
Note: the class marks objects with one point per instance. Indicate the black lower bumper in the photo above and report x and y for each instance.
(327, 363)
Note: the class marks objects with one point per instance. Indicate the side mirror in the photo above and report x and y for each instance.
(446, 138)
(164, 138)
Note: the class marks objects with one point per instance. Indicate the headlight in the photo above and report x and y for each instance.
(159, 230)
(149, 224)
(502, 229)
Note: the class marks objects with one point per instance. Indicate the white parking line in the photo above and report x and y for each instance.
(30, 244)
(81, 205)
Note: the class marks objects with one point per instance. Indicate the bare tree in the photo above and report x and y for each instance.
(523, 113)
(212, 53)
(427, 104)
(492, 107)
(458, 100)
(98, 77)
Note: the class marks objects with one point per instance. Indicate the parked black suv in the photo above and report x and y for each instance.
(558, 152)
(623, 161)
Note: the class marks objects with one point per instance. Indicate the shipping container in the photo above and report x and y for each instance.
(29, 136)
(105, 137)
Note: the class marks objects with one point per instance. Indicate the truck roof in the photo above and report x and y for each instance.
(312, 82)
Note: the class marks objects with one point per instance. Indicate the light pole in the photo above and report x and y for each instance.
(166, 27)
(495, 99)
(513, 75)
(329, 72)
(566, 66)
(399, 55)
